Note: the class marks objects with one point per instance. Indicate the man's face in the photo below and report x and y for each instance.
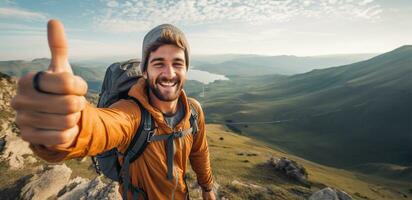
(166, 72)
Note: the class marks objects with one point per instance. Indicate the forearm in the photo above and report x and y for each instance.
(201, 165)
(99, 130)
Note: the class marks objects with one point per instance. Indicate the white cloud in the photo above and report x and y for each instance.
(112, 4)
(364, 2)
(119, 26)
(138, 15)
(9, 12)
(19, 27)
(28, 46)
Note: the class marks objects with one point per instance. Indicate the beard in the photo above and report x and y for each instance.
(166, 89)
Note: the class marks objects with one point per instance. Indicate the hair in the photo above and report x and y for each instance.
(167, 37)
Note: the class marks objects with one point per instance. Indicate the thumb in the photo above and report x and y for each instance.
(58, 47)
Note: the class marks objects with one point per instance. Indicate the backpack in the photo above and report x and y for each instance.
(118, 80)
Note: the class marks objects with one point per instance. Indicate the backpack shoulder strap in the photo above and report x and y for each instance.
(193, 117)
(135, 150)
(139, 141)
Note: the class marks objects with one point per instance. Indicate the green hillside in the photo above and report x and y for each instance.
(358, 113)
(229, 164)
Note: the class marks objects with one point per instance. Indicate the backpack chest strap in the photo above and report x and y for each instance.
(177, 134)
(170, 147)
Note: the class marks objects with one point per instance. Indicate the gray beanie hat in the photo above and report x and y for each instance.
(163, 34)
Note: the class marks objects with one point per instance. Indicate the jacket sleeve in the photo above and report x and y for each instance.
(100, 129)
(199, 155)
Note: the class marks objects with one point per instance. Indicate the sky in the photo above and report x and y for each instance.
(109, 28)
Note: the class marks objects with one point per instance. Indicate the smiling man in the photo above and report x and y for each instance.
(60, 124)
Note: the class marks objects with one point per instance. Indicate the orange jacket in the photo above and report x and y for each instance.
(102, 129)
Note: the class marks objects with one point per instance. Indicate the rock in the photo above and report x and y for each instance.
(46, 183)
(80, 188)
(14, 150)
(74, 189)
(31, 160)
(7, 91)
(4, 126)
(248, 185)
(291, 169)
(324, 194)
(343, 195)
(11, 146)
(330, 194)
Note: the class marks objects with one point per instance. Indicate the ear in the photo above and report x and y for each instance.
(145, 74)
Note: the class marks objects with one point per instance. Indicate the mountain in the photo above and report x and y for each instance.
(233, 64)
(93, 76)
(359, 113)
(240, 166)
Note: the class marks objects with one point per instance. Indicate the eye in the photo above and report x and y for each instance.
(178, 65)
(158, 64)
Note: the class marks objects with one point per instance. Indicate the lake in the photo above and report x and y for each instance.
(203, 76)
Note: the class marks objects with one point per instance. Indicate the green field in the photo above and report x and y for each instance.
(359, 114)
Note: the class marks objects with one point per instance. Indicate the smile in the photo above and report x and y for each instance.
(167, 84)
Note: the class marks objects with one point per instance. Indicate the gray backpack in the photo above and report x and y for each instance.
(118, 80)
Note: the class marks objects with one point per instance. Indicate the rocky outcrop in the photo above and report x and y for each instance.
(291, 169)
(330, 194)
(46, 183)
(15, 151)
(54, 182)
(50, 181)
(7, 91)
(80, 188)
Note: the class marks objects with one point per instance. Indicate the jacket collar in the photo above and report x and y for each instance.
(139, 91)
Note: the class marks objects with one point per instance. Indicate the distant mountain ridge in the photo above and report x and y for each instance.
(252, 65)
(94, 76)
(358, 113)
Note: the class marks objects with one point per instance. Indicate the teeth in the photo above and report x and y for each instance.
(169, 84)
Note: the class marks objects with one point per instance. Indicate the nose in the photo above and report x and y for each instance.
(169, 71)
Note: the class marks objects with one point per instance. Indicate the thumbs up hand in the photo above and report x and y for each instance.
(47, 112)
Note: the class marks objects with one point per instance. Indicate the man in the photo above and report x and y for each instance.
(60, 124)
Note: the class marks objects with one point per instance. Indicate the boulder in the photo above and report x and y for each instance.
(15, 150)
(330, 194)
(291, 169)
(46, 183)
(80, 188)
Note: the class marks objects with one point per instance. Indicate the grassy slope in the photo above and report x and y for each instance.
(227, 166)
(358, 113)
